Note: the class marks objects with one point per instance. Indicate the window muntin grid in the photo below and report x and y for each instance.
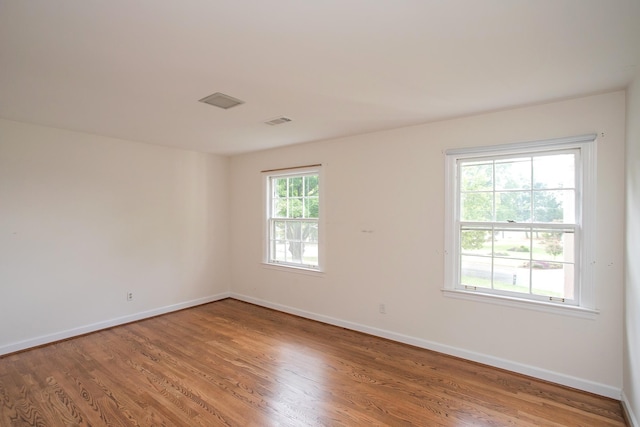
(293, 220)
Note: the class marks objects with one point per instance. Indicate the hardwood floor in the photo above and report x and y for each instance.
(233, 363)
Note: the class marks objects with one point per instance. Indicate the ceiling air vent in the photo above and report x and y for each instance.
(278, 121)
(221, 100)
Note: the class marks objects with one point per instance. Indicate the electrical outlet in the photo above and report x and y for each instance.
(129, 296)
(382, 309)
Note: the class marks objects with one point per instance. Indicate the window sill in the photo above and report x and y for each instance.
(293, 269)
(567, 310)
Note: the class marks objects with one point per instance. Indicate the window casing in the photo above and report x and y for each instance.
(293, 228)
(520, 221)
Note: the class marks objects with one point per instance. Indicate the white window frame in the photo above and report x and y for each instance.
(268, 259)
(584, 303)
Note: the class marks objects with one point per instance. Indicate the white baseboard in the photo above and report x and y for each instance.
(532, 371)
(69, 333)
(631, 417)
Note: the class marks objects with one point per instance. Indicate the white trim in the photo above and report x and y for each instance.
(266, 204)
(93, 327)
(293, 269)
(530, 304)
(585, 216)
(532, 371)
(588, 214)
(626, 407)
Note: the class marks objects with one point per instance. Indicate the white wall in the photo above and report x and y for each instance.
(392, 182)
(632, 277)
(85, 219)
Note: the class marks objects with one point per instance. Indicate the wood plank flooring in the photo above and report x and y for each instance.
(237, 364)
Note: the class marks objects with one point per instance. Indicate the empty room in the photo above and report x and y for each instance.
(320, 213)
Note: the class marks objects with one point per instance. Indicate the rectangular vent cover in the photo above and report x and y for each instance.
(221, 100)
(278, 121)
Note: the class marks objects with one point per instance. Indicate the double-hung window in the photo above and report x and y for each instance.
(520, 221)
(293, 218)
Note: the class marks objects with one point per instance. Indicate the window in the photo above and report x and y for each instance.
(519, 221)
(293, 218)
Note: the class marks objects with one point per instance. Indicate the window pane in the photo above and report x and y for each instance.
(476, 207)
(295, 187)
(512, 252)
(554, 281)
(476, 176)
(553, 246)
(294, 229)
(278, 230)
(513, 206)
(295, 251)
(311, 185)
(508, 277)
(475, 271)
(555, 171)
(310, 232)
(513, 174)
(475, 241)
(279, 187)
(554, 206)
(295, 208)
(279, 208)
(310, 253)
(512, 245)
(311, 207)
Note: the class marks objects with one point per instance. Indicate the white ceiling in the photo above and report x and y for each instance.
(136, 69)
